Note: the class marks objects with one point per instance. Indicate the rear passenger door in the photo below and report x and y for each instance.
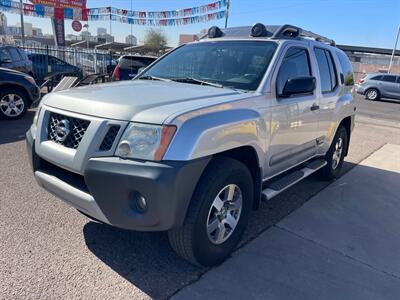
(328, 89)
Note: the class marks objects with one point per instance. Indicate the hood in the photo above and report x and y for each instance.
(140, 100)
(5, 70)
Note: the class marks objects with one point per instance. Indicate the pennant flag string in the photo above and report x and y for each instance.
(203, 13)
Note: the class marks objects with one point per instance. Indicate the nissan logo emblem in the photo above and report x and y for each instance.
(63, 129)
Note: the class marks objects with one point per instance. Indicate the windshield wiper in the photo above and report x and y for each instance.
(197, 81)
(149, 77)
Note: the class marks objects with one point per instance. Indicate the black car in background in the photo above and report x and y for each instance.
(129, 65)
(18, 91)
(15, 58)
(44, 65)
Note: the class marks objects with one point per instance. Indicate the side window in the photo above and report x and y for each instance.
(326, 70)
(295, 63)
(389, 78)
(379, 77)
(347, 69)
(332, 69)
(14, 54)
(4, 54)
(398, 79)
(56, 61)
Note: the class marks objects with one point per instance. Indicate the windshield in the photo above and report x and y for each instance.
(232, 64)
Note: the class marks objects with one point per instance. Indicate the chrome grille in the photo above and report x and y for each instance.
(68, 137)
(109, 138)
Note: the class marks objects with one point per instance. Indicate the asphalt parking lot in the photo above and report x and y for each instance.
(50, 251)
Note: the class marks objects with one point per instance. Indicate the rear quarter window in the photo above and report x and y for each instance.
(14, 54)
(379, 77)
(347, 69)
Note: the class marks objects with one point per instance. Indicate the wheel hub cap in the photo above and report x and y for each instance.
(337, 153)
(12, 105)
(224, 214)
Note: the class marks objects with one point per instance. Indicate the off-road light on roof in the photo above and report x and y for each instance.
(214, 32)
(258, 30)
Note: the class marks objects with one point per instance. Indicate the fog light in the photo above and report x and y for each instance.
(141, 202)
(124, 148)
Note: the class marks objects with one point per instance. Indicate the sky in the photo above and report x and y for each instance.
(371, 23)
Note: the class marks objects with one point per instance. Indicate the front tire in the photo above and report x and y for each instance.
(217, 215)
(335, 155)
(13, 104)
(372, 94)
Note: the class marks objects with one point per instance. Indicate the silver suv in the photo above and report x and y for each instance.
(377, 85)
(201, 136)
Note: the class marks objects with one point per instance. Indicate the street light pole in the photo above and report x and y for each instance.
(22, 23)
(228, 4)
(394, 50)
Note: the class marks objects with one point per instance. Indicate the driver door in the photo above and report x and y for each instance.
(294, 119)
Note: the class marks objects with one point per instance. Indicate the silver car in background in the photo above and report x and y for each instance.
(377, 85)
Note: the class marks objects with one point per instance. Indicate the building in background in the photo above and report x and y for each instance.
(36, 31)
(101, 31)
(370, 60)
(3, 24)
(187, 38)
(72, 37)
(131, 39)
(105, 38)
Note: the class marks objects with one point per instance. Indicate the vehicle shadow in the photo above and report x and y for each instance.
(147, 261)
(14, 131)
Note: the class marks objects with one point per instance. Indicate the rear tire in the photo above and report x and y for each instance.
(13, 104)
(335, 155)
(372, 94)
(211, 230)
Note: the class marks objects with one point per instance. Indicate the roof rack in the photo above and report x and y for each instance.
(290, 31)
(267, 31)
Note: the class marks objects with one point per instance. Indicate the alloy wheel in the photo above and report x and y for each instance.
(224, 214)
(12, 105)
(337, 153)
(372, 94)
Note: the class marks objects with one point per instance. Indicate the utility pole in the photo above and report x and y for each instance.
(87, 33)
(131, 23)
(228, 4)
(394, 50)
(22, 23)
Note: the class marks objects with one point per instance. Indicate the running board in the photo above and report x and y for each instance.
(278, 186)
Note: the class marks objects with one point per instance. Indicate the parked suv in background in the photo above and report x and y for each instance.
(377, 85)
(129, 65)
(196, 140)
(16, 59)
(17, 93)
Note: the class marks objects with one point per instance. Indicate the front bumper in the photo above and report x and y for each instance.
(108, 189)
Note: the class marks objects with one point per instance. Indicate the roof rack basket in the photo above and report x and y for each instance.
(290, 31)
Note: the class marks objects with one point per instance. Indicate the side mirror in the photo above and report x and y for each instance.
(6, 61)
(298, 85)
(140, 70)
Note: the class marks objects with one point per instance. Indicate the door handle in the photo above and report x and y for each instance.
(314, 107)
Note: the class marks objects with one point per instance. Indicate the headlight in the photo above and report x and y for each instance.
(144, 141)
(36, 117)
(30, 79)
